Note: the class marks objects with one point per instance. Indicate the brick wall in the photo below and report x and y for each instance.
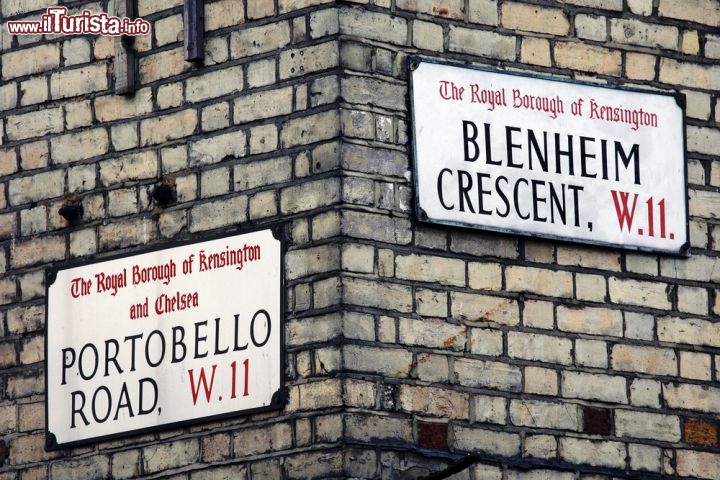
(408, 346)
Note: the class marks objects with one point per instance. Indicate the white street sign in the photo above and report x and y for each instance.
(164, 338)
(549, 158)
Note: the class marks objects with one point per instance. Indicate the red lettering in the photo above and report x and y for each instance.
(195, 387)
(621, 208)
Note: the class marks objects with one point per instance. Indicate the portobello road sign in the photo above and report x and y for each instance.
(164, 338)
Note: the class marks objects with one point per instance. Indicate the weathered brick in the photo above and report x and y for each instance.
(697, 267)
(96, 466)
(475, 307)
(432, 333)
(310, 261)
(217, 116)
(541, 381)
(692, 300)
(594, 321)
(29, 448)
(34, 155)
(636, 32)
(222, 14)
(482, 43)
(217, 148)
(162, 65)
(697, 366)
(214, 182)
(485, 441)
(168, 127)
(539, 280)
(432, 401)
(79, 81)
(427, 36)
(594, 386)
(690, 75)
(690, 42)
(266, 104)
(40, 186)
(83, 242)
(229, 471)
(535, 51)
(261, 173)
(255, 40)
(483, 12)
(616, 5)
(700, 433)
(426, 268)
(26, 384)
(22, 320)
(447, 8)
(590, 287)
(640, 66)
(638, 292)
(487, 409)
(168, 30)
(252, 441)
(702, 140)
(8, 161)
(159, 457)
(114, 107)
(33, 220)
(591, 353)
(531, 18)
(495, 375)
(607, 454)
(538, 414)
(308, 60)
(645, 457)
(34, 124)
(373, 26)
(131, 167)
(699, 11)
(31, 60)
(9, 96)
(691, 397)
(691, 331)
(310, 195)
(210, 215)
(33, 90)
(360, 158)
(373, 294)
(647, 425)
(314, 329)
(121, 234)
(542, 446)
(484, 276)
(122, 202)
(588, 58)
(544, 348)
(652, 360)
(79, 146)
(591, 27)
(310, 129)
(431, 368)
(214, 84)
(486, 341)
(696, 464)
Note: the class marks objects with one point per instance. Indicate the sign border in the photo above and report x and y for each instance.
(279, 398)
(414, 61)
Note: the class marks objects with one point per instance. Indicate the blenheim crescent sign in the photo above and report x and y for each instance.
(164, 338)
(547, 158)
